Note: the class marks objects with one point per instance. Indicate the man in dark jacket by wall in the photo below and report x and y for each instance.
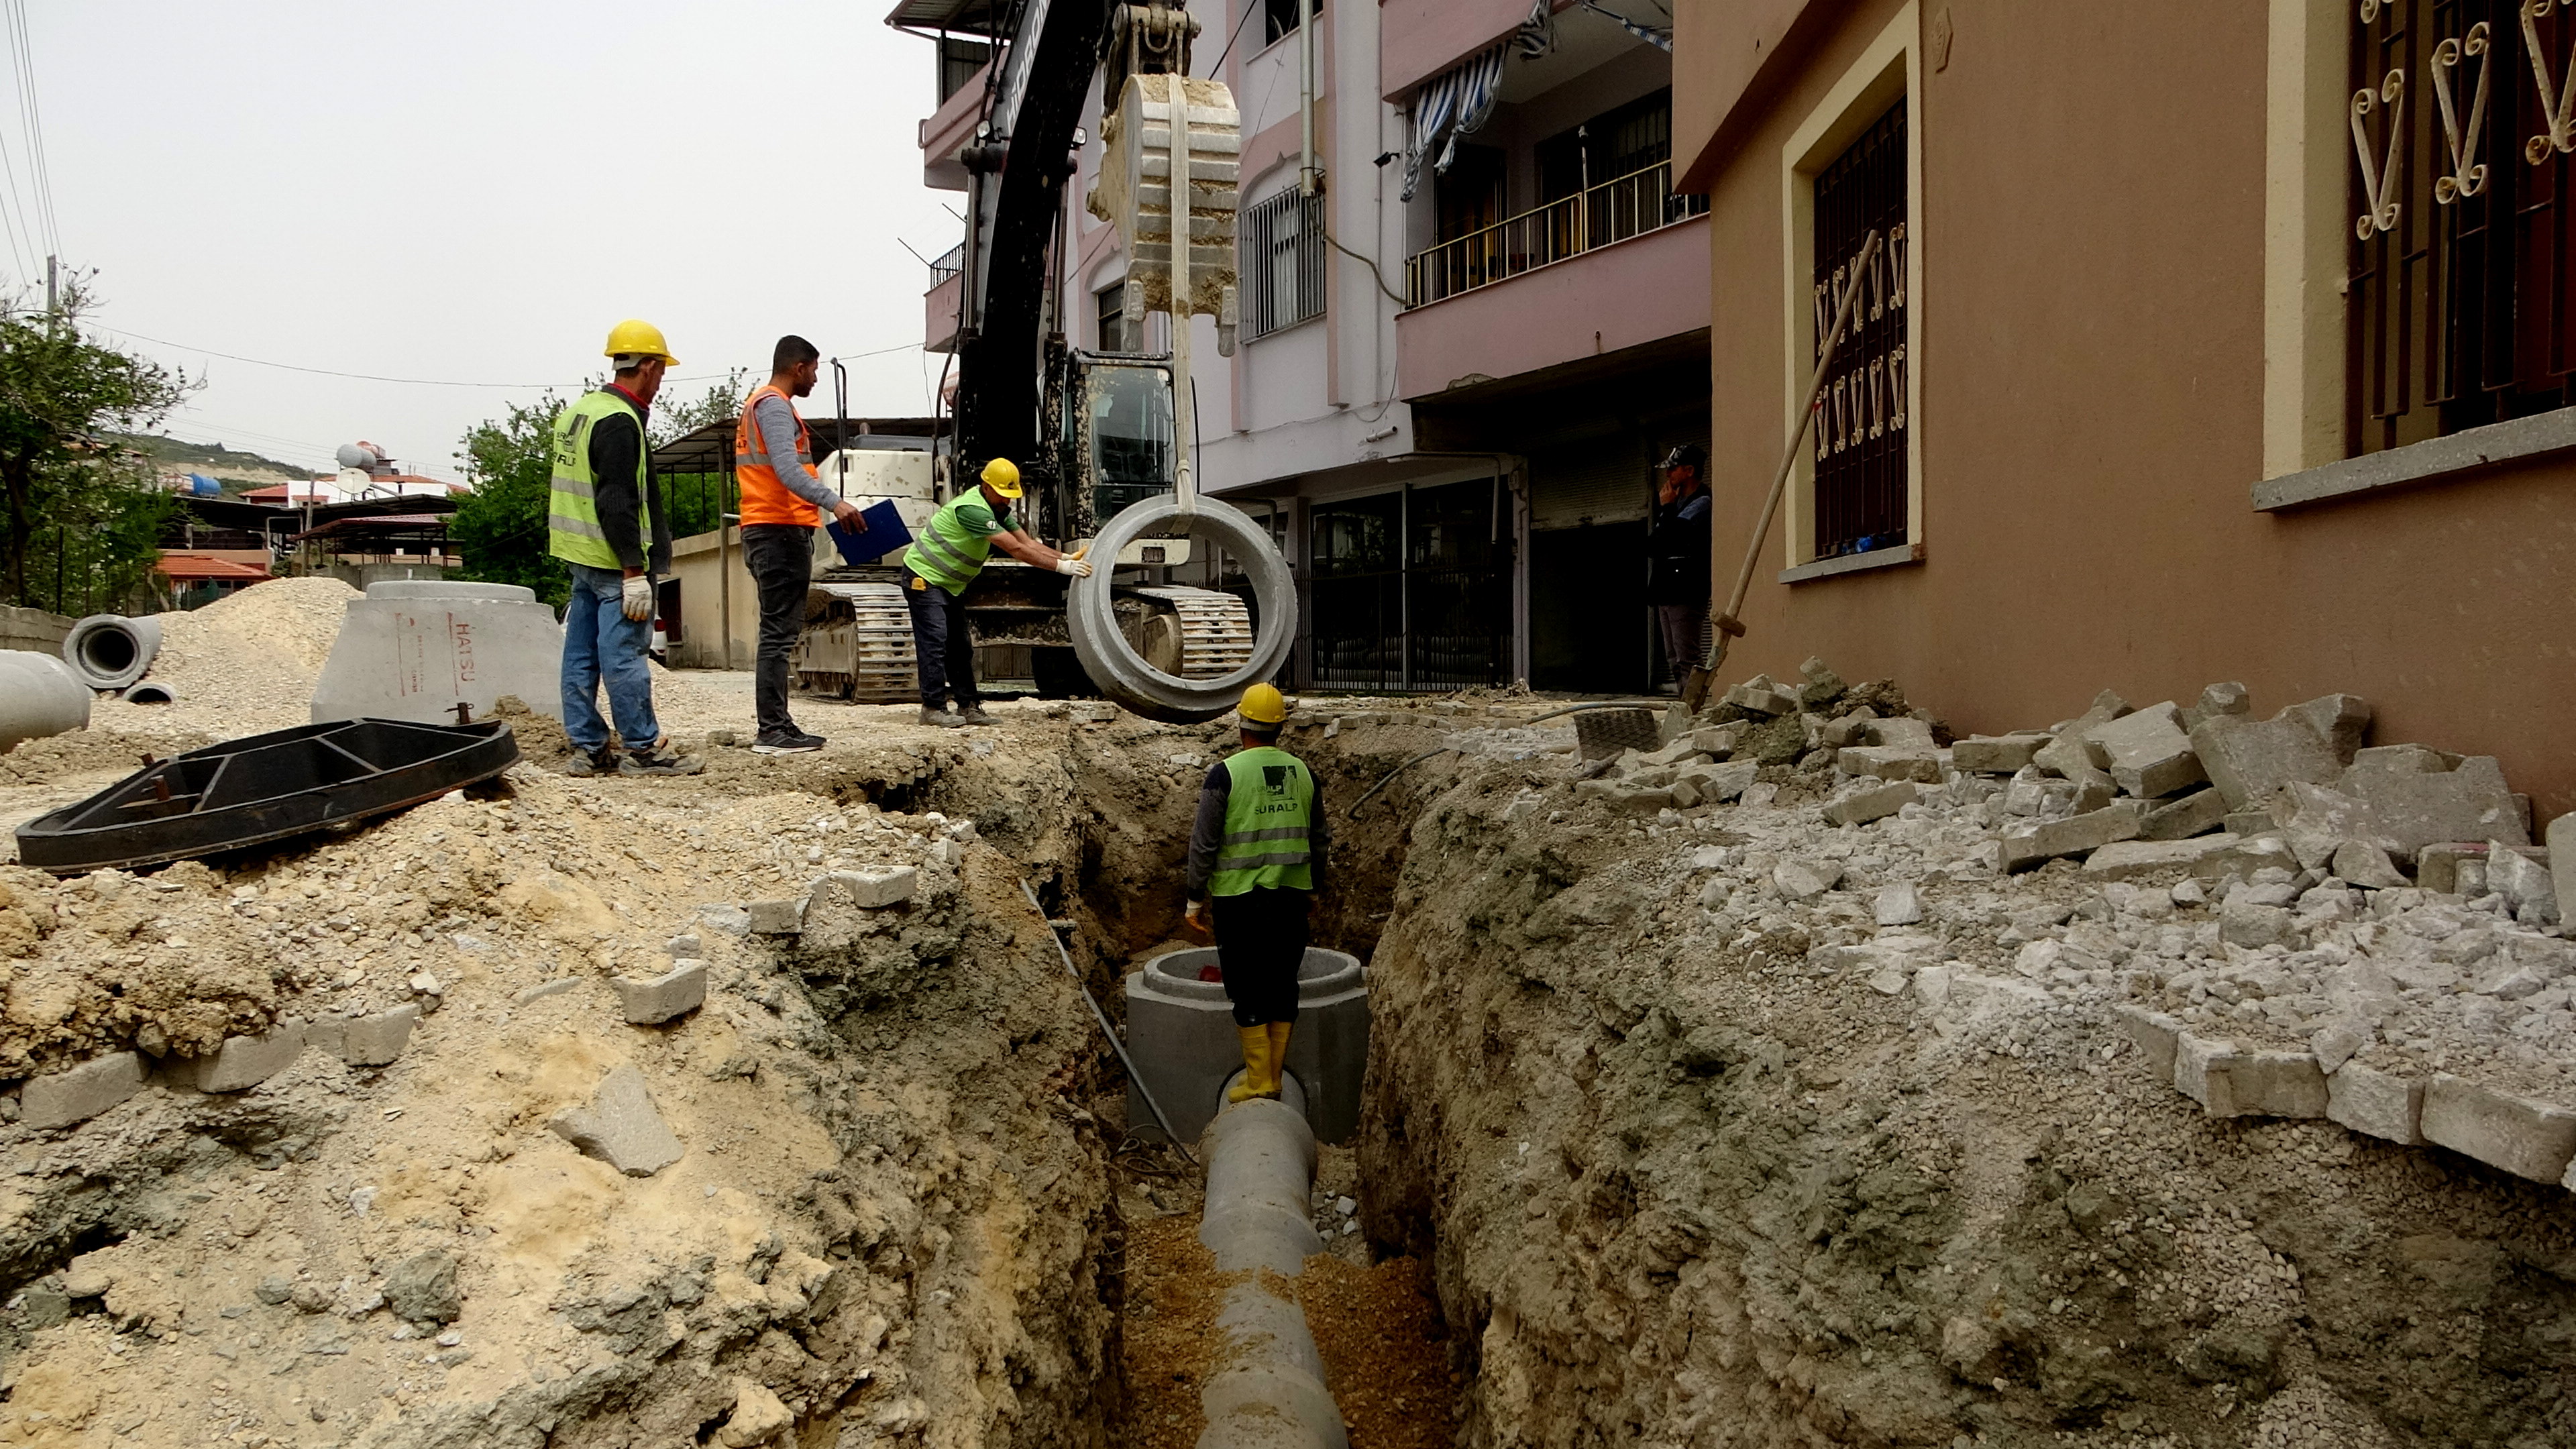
(1677, 548)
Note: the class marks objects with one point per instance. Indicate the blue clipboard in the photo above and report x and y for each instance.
(885, 535)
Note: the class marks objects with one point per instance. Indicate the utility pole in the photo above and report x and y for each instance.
(53, 284)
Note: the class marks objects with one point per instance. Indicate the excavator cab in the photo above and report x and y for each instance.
(1110, 420)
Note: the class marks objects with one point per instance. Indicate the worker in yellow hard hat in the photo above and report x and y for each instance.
(1256, 861)
(604, 520)
(944, 558)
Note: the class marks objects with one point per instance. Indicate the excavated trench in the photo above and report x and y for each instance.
(1631, 1170)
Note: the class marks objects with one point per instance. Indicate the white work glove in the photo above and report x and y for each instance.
(638, 598)
(1073, 568)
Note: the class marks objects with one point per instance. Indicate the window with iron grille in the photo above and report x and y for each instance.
(1282, 261)
(1860, 426)
(2464, 245)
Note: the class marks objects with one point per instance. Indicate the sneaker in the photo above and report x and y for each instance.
(640, 762)
(789, 741)
(941, 718)
(586, 763)
(975, 714)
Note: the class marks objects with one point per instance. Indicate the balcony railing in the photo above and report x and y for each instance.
(1632, 205)
(950, 263)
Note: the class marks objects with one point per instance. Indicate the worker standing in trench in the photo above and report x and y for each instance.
(1256, 861)
(782, 501)
(944, 558)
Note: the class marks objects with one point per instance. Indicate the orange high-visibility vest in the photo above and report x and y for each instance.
(764, 498)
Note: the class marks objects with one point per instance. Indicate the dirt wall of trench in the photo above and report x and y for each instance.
(1682, 1192)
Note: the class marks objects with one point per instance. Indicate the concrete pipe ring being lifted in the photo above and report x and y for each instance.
(1123, 675)
(111, 651)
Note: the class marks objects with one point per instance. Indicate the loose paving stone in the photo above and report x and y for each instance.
(2358, 862)
(2414, 802)
(1898, 904)
(60, 1099)
(2148, 754)
(2155, 1035)
(1802, 880)
(1995, 755)
(2526, 1138)
(2028, 846)
(243, 1062)
(2196, 813)
(2380, 1104)
(2250, 760)
(2523, 882)
(2124, 859)
(2341, 720)
(1891, 762)
(1864, 806)
(380, 1038)
(676, 992)
(620, 1126)
(779, 918)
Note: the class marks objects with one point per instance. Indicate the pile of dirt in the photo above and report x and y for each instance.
(1730, 1123)
(886, 1228)
(241, 665)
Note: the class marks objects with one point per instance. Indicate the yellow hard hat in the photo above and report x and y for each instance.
(639, 337)
(1004, 475)
(1263, 705)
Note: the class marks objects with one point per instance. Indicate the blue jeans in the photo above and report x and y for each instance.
(601, 643)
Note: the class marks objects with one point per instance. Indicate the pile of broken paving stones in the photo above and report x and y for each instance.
(2287, 920)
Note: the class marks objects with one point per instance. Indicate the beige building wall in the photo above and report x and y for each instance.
(2097, 184)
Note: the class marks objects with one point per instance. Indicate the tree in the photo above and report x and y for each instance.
(58, 392)
(500, 528)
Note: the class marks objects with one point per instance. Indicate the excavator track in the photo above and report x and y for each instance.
(860, 648)
(1205, 634)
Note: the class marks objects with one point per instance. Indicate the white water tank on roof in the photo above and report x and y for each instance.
(416, 648)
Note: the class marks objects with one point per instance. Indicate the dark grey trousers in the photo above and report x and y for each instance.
(781, 559)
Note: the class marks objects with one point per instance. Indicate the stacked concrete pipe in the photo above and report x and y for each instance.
(1265, 1386)
(39, 696)
(111, 651)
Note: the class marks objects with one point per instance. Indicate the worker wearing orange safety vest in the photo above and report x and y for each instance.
(782, 500)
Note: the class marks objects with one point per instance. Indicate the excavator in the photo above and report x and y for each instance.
(1104, 441)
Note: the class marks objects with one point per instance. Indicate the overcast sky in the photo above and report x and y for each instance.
(474, 192)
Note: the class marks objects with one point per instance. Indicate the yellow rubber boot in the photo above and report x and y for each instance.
(1278, 1031)
(1256, 1065)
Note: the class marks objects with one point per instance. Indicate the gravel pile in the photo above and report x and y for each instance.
(241, 665)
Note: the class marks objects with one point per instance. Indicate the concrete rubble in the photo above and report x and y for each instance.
(2295, 922)
(620, 1126)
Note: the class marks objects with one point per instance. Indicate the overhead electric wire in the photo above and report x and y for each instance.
(432, 381)
(42, 174)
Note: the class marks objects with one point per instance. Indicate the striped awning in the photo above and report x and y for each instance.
(1452, 104)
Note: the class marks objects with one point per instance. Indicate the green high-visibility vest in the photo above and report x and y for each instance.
(572, 509)
(946, 551)
(1269, 808)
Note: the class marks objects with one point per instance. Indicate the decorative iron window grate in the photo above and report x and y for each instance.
(1282, 262)
(2464, 245)
(1861, 415)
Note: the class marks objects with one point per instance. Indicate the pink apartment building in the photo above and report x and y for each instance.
(1464, 339)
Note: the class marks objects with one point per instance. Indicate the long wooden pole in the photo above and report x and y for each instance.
(1695, 691)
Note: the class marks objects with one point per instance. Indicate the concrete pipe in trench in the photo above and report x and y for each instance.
(1265, 1386)
(39, 696)
(111, 651)
(1114, 664)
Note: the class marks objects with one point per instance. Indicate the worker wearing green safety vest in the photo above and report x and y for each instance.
(602, 522)
(944, 558)
(1257, 856)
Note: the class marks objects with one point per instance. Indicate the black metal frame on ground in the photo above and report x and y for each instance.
(262, 788)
